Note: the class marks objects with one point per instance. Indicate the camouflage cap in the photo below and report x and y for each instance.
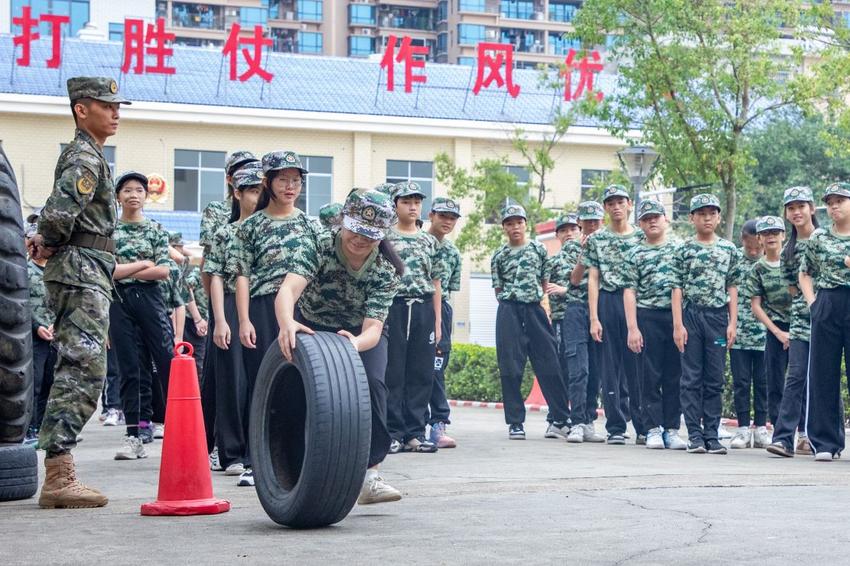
(127, 175)
(649, 207)
(175, 239)
(278, 160)
(565, 219)
(704, 200)
(798, 194)
(360, 190)
(840, 189)
(331, 214)
(612, 191)
(249, 175)
(369, 214)
(104, 89)
(512, 210)
(768, 223)
(386, 188)
(590, 210)
(447, 205)
(407, 189)
(237, 159)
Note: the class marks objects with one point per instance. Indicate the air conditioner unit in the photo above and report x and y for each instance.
(366, 31)
(490, 34)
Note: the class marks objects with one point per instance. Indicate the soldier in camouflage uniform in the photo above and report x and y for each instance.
(443, 216)
(197, 315)
(523, 331)
(799, 206)
(414, 325)
(649, 318)
(347, 286)
(330, 215)
(605, 258)
(141, 329)
(824, 268)
(705, 313)
(74, 233)
(747, 354)
(771, 305)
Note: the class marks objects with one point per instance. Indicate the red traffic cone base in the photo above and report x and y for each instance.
(185, 482)
(535, 396)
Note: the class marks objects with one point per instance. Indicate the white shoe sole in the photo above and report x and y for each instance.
(388, 498)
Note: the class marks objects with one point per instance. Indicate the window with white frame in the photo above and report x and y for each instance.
(420, 172)
(198, 178)
(318, 184)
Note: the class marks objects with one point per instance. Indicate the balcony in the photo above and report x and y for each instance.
(198, 16)
(564, 13)
(521, 10)
(407, 18)
(524, 41)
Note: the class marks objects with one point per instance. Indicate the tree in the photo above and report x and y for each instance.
(539, 157)
(696, 78)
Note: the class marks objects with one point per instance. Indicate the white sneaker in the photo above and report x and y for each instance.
(576, 435)
(590, 434)
(376, 490)
(215, 463)
(761, 438)
(158, 430)
(723, 433)
(824, 457)
(742, 438)
(555, 431)
(133, 449)
(236, 469)
(246, 479)
(112, 417)
(674, 441)
(655, 438)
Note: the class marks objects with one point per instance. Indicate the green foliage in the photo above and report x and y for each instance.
(538, 157)
(473, 374)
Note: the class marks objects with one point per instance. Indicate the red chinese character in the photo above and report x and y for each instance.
(406, 53)
(135, 40)
(28, 23)
(56, 35)
(231, 48)
(504, 56)
(586, 71)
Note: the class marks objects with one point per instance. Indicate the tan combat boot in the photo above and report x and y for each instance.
(62, 490)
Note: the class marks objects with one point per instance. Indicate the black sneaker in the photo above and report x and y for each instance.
(640, 440)
(419, 444)
(516, 432)
(617, 439)
(714, 447)
(696, 447)
(779, 449)
(395, 447)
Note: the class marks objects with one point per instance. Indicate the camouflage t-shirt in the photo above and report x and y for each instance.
(648, 270)
(193, 282)
(750, 334)
(558, 268)
(215, 215)
(449, 260)
(421, 262)
(518, 272)
(705, 271)
(137, 241)
(766, 281)
(41, 313)
(174, 291)
(606, 251)
(340, 297)
(801, 325)
(824, 259)
(268, 248)
(222, 257)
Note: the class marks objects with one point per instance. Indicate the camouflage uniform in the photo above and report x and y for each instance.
(649, 271)
(137, 241)
(193, 282)
(419, 253)
(174, 291)
(750, 333)
(43, 352)
(41, 313)
(221, 259)
(516, 273)
(330, 215)
(217, 213)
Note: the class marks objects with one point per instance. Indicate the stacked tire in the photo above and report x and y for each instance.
(18, 464)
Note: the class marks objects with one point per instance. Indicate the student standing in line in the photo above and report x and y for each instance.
(523, 331)
(747, 354)
(649, 319)
(824, 267)
(605, 257)
(800, 213)
(705, 318)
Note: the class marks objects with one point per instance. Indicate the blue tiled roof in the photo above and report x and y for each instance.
(301, 82)
(183, 221)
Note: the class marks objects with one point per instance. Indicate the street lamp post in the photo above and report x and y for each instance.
(638, 162)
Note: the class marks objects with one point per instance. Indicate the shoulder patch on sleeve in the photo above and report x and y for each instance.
(86, 181)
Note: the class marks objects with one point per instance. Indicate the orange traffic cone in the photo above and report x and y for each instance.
(535, 396)
(185, 483)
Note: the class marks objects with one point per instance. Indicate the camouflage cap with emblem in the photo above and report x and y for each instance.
(175, 239)
(250, 175)
(769, 224)
(704, 200)
(407, 189)
(612, 191)
(104, 89)
(797, 194)
(330, 215)
(386, 188)
(649, 207)
(369, 214)
(590, 210)
(237, 159)
(446, 205)
(513, 210)
(279, 160)
(837, 189)
(128, 175)
(570, 218)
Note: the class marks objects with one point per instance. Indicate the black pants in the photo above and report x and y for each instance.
(830, 337)
(111, 396)
(208, 385)
(438, 407)
(140, 316)
(703, 368)
(410, 365)
(43, 361)
(748, 371)
(261, 313)
(775, 366)
(523, 333)
(792, 411)
(231, 393)
(617, 367)
(594, 384)
(575, 360)
(661, 369)
(199, 345)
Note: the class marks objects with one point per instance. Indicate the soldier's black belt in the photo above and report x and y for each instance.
(92, 241)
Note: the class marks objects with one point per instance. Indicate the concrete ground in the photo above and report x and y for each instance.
(489, 501)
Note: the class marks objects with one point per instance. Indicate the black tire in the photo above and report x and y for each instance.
(18, 472)
(310, 429)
